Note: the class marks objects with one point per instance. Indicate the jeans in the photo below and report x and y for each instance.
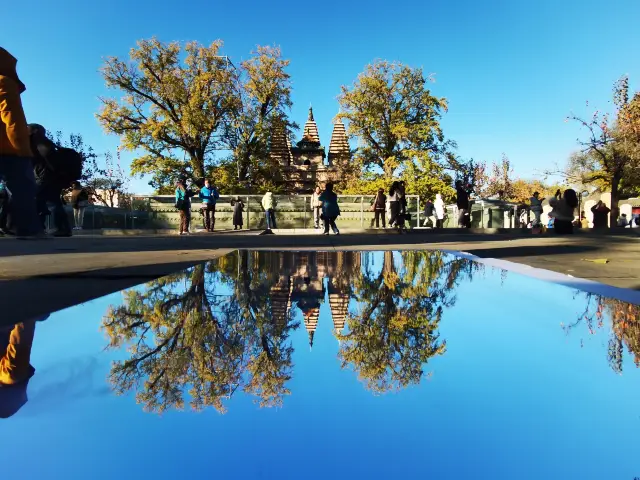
(18, 172)
(209, 219)
(379, 214)
(396, 219)
(330, 221)
(78, 217)
(51, 194)
(464, 220)
(316, 216)
(271, 219)
(430, 220)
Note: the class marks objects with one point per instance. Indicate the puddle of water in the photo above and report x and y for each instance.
(328, 365)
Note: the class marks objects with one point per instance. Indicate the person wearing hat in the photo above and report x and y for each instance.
(15, 150)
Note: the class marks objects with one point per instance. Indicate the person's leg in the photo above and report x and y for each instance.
(59, 214)
(181, 222)
(76, 217)
(273, 219)
(334, 227)
(18, 172)
(81, 217)
(205, 218)
(187, 220)
(316, 217)
(325, 220)
(212, 207)
(461, 212)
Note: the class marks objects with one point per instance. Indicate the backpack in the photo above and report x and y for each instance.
(66, 164)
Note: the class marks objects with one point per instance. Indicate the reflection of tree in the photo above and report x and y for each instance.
(193, 337)
(625, 326)
(395, 331)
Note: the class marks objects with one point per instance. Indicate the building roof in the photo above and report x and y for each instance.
(310, 132)
(339, 145)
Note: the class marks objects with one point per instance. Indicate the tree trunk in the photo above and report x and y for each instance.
(615, 194)
(197, 165)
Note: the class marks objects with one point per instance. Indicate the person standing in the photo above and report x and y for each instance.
(316, 206)
(269, 204)
(15, 151)
(79, 202)
(600, 215)
(462, 202)
(395, 198)
(536, 207)
(438, 207)
(183, 204)
(238, 210)
(379, 206)
(429, 214)
(209, 195)
(51, 180)
(330, 209)
(563, 211)
(5, 201)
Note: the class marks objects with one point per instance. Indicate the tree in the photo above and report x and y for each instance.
(263, 89)
(184, 335)
(611, 153)
(625, 327)
(176, 102)
(394, 115)
(395, 331)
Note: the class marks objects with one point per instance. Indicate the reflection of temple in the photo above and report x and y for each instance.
(303, 166)
(302, 283)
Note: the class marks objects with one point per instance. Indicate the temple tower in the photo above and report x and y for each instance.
(339, 151)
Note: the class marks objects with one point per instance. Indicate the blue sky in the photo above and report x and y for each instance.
(511, 70)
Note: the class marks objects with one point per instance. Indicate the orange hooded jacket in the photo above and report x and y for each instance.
(14, 133)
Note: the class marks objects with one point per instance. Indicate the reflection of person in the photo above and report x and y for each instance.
(15, 366)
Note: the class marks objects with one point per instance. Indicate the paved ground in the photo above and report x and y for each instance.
(39, 277)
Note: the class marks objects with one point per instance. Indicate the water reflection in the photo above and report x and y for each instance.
(624, 328)
(225, 326)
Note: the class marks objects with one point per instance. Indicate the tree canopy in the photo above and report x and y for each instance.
(182, 103)
(395, 117)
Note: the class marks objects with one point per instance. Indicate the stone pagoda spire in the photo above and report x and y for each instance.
(310, 133)
(280, 146)
(339, 150)
(339, 304)
(281, 301)
(311, 322)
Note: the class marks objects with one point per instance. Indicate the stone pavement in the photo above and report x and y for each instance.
(39, 277)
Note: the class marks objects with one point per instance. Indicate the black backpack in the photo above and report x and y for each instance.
(66, 164)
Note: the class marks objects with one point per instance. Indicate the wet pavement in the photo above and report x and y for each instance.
(326, 364)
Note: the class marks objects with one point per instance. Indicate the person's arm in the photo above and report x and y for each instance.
(12, 116)
(594, 208)
(216, 195)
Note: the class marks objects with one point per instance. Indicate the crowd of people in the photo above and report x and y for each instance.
(34, 171)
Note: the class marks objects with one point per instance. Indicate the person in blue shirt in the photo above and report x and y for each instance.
(183, 204)
(209, 196)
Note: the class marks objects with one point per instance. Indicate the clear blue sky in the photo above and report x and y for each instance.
(512, 70)
(513, 397)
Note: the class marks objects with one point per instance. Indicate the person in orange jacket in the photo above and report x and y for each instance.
(15, 150)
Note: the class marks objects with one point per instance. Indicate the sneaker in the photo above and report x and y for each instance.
(337, 232)
(326, 233)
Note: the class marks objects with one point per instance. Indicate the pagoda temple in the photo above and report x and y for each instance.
(304, 166)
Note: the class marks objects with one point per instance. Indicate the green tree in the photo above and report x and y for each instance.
(176, 101)
(195, 339)
(263, 89)
(395, 332)
(395, 117)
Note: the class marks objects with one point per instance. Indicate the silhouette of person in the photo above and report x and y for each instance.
(15, 365)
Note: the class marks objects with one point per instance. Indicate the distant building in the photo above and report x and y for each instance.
(303, 166)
